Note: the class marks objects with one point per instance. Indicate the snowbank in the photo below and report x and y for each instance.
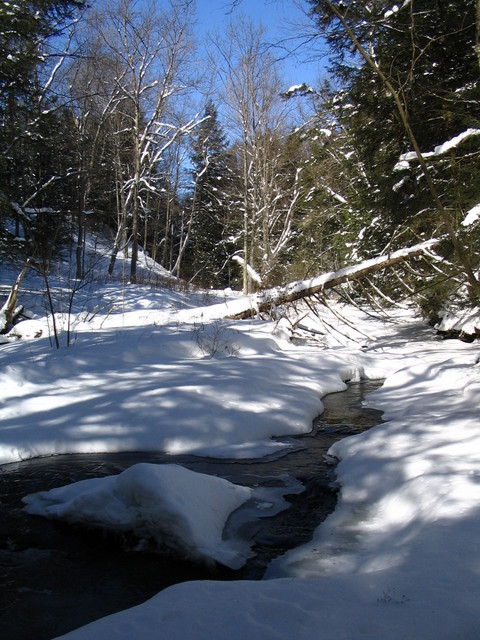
(397, 559)
(154, 386)
(465, 322)
(399, 556)
(178, 509)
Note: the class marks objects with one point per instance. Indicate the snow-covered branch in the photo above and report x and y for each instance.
(440, 150)
(472, 216)
(250, 270)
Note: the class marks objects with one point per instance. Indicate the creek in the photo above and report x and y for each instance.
(55, 577)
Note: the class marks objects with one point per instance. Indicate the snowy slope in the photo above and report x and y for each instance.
(157, 369)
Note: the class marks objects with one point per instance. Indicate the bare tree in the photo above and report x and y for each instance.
(151, 46)
(93, 100)
(258, 117)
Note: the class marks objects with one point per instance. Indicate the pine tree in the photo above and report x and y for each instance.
(211, 176)
(426, 51)
(32, 122)
(25, 28)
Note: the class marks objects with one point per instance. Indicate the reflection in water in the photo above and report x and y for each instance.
(55, 577)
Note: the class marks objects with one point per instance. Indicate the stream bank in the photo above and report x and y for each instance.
(56, 577)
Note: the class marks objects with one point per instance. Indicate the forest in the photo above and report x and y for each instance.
(198, 253)
(112, 124)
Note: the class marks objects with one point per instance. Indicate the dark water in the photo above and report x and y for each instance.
(55, 577)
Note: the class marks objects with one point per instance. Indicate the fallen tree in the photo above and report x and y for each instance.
(265, 300)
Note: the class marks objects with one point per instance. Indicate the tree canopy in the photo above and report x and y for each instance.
(110, 123)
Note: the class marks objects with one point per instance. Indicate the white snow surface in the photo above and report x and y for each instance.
(466, 321)
(473, 215)
(180, 510)
(156, 369)
(439, 150)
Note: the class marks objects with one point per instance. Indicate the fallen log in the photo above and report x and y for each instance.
(265, 300)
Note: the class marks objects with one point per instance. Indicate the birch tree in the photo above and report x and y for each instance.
(152, 44)
(93, 101)
(258, 118)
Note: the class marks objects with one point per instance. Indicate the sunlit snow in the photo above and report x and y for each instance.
(439, 150)
(176, 508)
(152, 369)
(473, 215)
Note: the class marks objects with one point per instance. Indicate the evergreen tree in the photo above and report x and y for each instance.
(32, 121)
(426, 51)
(210, 200)
(334, 205)
(25, 29)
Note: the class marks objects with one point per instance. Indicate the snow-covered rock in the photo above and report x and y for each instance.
(178, 509)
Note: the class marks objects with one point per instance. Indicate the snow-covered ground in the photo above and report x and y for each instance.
(157, 369)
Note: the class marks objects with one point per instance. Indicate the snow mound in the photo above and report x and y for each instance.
(464, 322)
(176, 508)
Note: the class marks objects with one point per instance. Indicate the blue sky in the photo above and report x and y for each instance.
(278, 17)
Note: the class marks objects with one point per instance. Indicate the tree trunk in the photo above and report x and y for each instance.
(477, 43)
(135, 215)
(7, 312)
(293, 291)
(80, 243)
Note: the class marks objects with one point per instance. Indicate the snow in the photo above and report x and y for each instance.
(176, 508)
(336, 196)
(251, 271)
(455, 141)
(398, 558)
(445, 147)
(166, 507)
(294, 88)
(462, 321)
(318, 283)
(473, 215)
(395, 9)
(303, 88)
(391, 11)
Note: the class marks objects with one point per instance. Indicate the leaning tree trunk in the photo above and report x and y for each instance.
(9, 312)
(477, 44)
(265, 300)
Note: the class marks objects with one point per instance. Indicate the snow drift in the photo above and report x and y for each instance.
(178, 509)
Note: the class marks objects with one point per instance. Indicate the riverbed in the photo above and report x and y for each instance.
(55, 577)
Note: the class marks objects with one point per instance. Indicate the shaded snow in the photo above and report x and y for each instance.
(399, 556)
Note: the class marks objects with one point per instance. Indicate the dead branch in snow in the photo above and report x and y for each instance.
(342, 318)
(9, 310)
